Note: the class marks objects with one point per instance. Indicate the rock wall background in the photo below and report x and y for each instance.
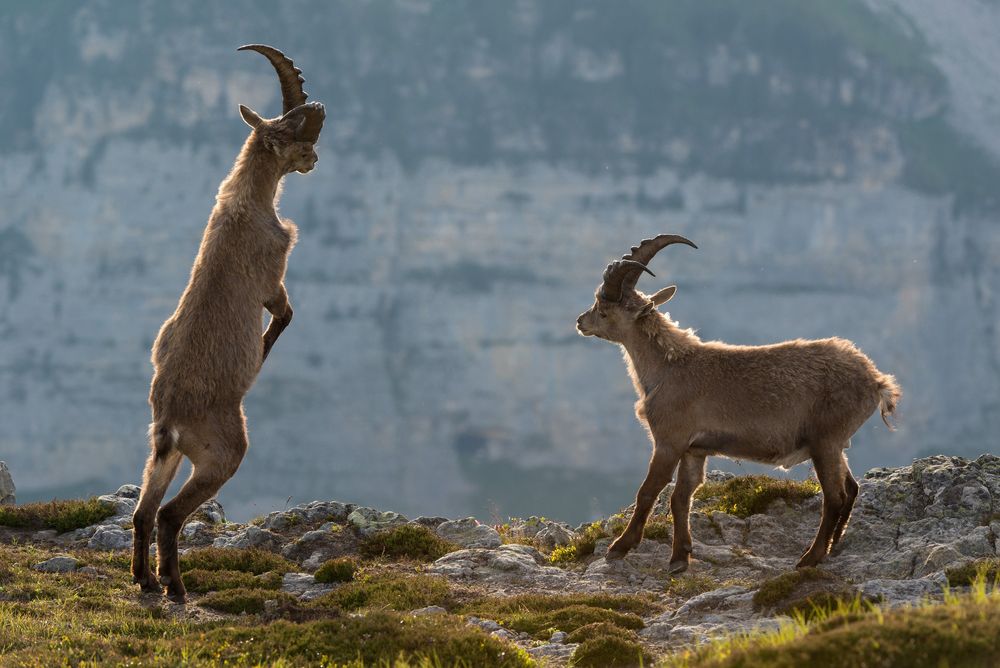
(479, 166)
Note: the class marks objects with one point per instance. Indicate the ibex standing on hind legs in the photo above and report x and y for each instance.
(209, 352)
(779, 404)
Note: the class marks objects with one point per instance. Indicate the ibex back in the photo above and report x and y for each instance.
(780, 404)
(209, 352)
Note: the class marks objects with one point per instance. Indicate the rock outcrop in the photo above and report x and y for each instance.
(7, 488)
(910, 524)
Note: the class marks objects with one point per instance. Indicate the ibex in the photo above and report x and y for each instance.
(778, 404)
(209, 352)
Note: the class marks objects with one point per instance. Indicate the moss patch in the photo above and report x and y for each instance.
(249, 560)
(201, 581)
(390, 591)
(59, 515)
(777, 590)
(610, 651)
(744, 496)
(408, 541)
(376, 639)
(987, 569)
(238, 601)
(540, 615)
(336, 570)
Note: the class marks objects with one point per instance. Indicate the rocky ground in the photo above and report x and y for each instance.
(911, 527)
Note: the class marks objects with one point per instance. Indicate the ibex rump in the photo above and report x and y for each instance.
(779, 404)
(209, 352)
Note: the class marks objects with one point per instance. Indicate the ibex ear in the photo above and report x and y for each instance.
(664, 295)
(251, 117)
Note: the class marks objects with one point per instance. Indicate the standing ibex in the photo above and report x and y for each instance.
(779, 404)
(209, 352)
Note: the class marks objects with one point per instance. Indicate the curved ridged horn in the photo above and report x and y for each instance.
(289, 76)
(622, 275)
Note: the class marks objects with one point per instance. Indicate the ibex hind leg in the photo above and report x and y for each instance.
(215, 448)
(161, 467)
(831, 469)
(851, 488)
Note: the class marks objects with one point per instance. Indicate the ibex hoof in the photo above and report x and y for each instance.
(677, 567)
(178, 598)
(165, 580)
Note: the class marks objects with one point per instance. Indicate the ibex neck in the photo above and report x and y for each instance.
(655, 342)
(255, 180)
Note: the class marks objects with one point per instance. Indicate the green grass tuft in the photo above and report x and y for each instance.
(249, 560)
(691, 584)
(748, 495)
(391, 591)
(61, 515)
(202, 581)
(408, 541)
(959, 632)
(585, 543)
(336, 570)
(987, 569)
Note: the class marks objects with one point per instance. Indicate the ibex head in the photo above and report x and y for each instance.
(617, 304)
(292, 135)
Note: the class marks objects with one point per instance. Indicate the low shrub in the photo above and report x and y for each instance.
(202, 581)
(248, 560)
(336, 570)
(390, 592)
(748, 495)
(61, 515)
(408, 541)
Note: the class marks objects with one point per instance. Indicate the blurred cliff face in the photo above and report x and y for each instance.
(482, 163)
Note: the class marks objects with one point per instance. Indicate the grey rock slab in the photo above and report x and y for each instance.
(429, 610)
(250, 536)
(429, 522)
(469, 533)
(369, 520)
(712, 600)
(553, 651)
(62, 563)
(896, 592)
(304, 586)
(509, 564)
(110, 537)
(7, 489)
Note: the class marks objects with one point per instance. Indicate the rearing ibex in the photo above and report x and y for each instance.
(779, 404)
(209, 352)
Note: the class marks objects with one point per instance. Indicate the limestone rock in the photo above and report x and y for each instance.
(369, 520)
(59, 564)
(506, 564)
(250, 536)
(469, 533)
(7, 489)
(110, 537)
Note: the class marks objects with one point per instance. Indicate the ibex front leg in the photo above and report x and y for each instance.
(661, 467)
(281, 314)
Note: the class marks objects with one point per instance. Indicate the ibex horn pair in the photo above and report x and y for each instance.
(622, 275)
(292, 95)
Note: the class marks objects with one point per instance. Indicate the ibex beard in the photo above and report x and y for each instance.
(209, 352)
(778, 404)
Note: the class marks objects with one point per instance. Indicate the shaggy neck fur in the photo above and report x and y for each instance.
(654, 340)
(255, 180)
